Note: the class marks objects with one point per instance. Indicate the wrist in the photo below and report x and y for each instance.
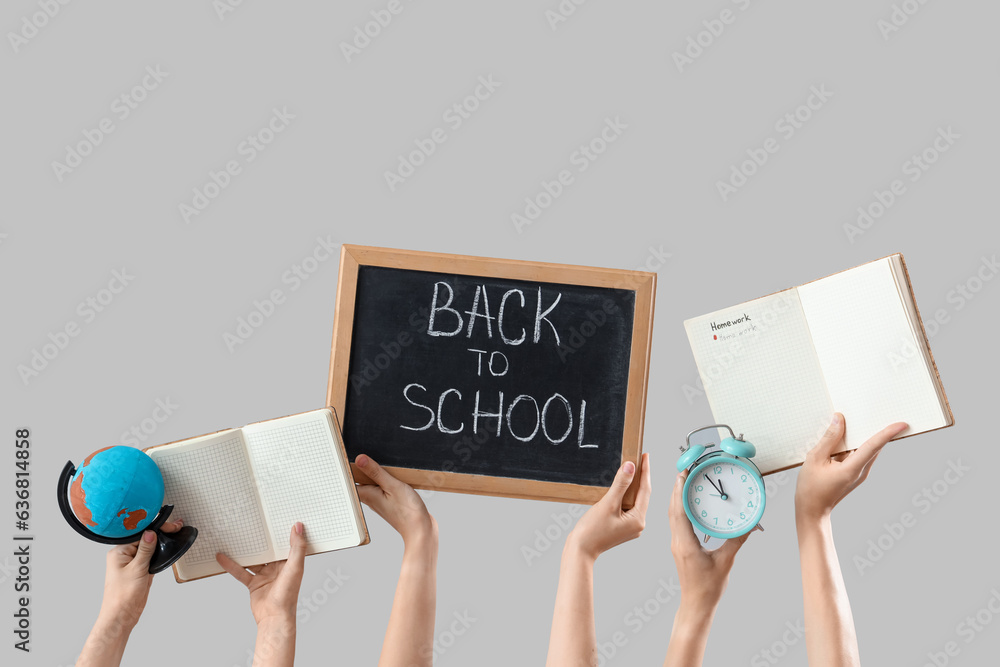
(694, 615)
(114, 626)
(812, 519)
(575, 550)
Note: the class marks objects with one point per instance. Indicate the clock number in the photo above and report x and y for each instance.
(697, 501)
(743, 515)
(730, 522)
(699, 488)
(750, 504)
(716, 520)
(750, 490)
(744, 478)
(704, 513)
(718, 470)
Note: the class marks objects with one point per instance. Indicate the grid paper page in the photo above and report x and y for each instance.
(874, 370)
(212, 489)
(762, 377)
(300, 478)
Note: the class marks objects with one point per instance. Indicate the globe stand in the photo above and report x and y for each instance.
(169, 546)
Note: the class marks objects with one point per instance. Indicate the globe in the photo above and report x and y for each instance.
(116, 491)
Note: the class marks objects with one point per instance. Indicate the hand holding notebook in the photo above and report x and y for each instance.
(777, 368)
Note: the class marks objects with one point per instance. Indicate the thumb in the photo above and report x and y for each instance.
(831, 440)
(146, 547)
(731, 547)
(620, 484)
(296, 551)
(374, 471)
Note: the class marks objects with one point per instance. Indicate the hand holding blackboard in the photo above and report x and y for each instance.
(491, 376)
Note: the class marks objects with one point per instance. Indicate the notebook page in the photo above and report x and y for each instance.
(866, 346)
(209, 482)
(762, 377)
(301, 477)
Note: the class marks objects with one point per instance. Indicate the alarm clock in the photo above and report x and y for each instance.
(724, 491)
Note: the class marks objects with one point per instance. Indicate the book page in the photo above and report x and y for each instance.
(301, 477)
(865, 342)
(209, 482)
(762, 377)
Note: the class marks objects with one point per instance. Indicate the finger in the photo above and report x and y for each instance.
(645, 487)
(680, 526)
(296, 554)
(375, 472)
(172, 526)
(616, 492)
(370, 495)
(868, 467)
(730, 547)
(144, 552)
(866, 453)
(232, 567)
(832, 439)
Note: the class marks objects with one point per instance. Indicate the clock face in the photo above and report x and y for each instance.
(724, 497)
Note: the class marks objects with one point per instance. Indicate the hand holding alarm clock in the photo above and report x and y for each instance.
(723, 495)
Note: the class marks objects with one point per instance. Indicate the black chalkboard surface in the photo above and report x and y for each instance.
(491, 376)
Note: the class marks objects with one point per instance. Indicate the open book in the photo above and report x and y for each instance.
(778, 367)
(244, 489)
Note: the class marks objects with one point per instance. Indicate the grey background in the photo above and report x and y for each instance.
(162, 337)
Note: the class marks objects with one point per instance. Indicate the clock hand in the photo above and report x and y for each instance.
(716, 486)
(722, 490)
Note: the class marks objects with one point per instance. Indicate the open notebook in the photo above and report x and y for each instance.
(244, 489)
(778, 367)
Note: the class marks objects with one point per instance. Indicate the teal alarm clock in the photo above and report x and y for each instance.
(724, 492)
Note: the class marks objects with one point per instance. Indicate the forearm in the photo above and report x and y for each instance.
(409, 639)
(275, 645)
(105, 645)
(573, 640)
(689, 636)
(831, 640)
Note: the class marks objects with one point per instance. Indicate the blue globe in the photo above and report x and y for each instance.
(117, 491)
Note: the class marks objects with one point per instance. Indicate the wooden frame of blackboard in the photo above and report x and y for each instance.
(642, 283)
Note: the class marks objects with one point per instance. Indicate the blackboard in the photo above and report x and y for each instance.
(491, 376)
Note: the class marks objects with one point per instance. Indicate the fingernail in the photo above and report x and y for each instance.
(298, 528)
(179, 522)
(148, 536)
(836, 419)
(362, 460)
(629, 467)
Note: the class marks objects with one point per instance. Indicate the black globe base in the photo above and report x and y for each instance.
(170, 547)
